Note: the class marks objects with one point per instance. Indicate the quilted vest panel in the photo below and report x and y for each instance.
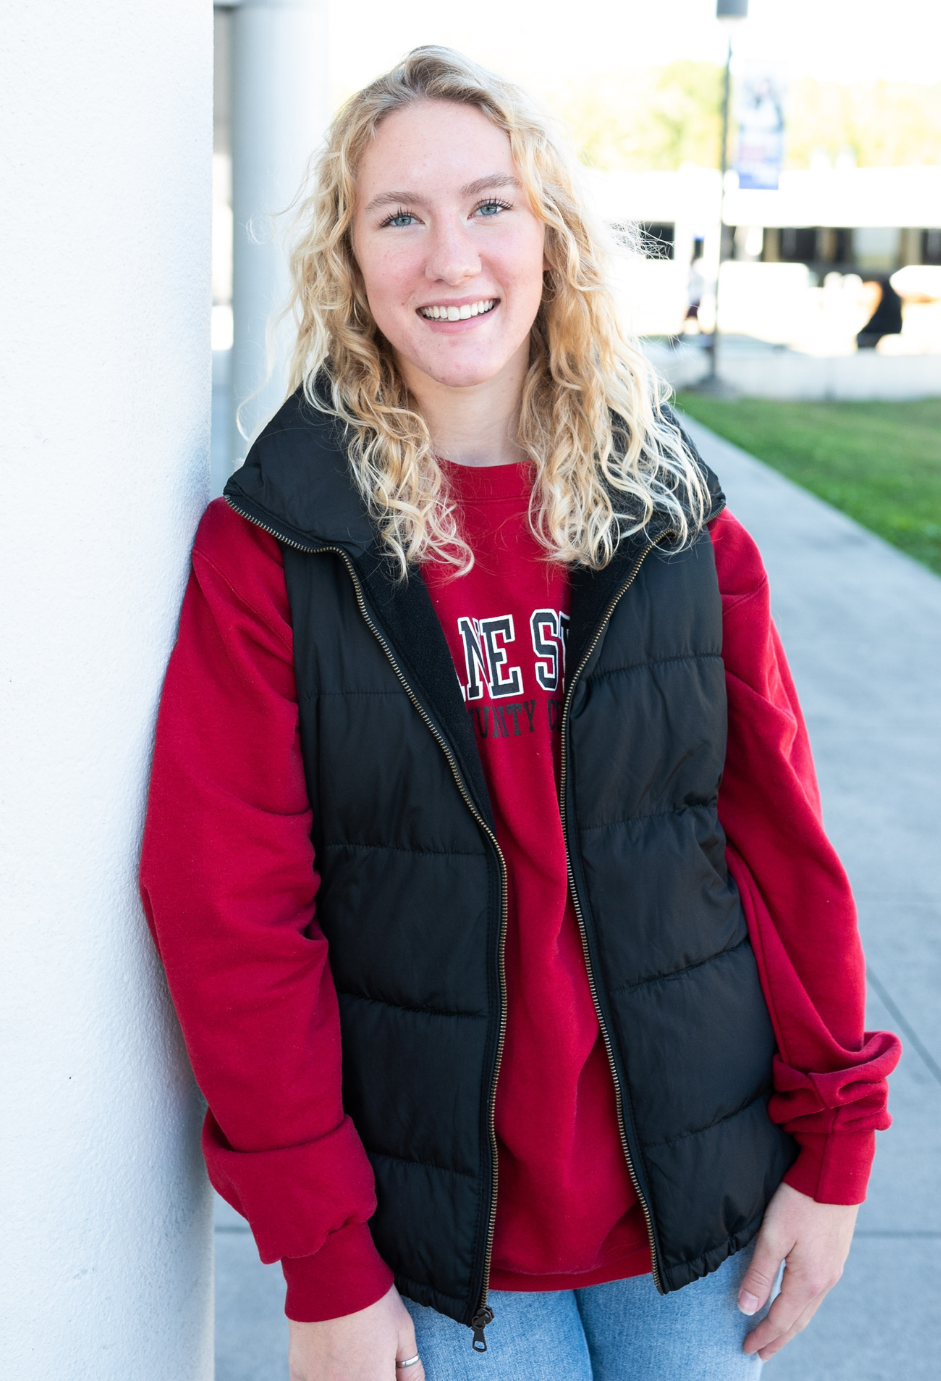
(676, 977)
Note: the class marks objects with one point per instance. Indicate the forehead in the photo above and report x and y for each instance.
(432, 145)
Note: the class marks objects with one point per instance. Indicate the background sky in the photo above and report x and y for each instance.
(840, 40)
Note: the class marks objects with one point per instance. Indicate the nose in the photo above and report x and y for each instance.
(452, 255)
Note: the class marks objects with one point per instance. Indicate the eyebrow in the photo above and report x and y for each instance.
(483, 184)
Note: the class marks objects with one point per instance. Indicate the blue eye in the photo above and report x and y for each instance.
(399, 219)
(492, 208)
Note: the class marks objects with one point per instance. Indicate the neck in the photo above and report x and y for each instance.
(475, 425)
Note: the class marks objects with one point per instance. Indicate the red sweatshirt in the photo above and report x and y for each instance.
(229, 883)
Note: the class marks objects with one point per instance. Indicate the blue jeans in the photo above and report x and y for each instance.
(624, 1331)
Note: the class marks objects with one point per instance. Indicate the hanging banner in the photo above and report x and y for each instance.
(759, 113)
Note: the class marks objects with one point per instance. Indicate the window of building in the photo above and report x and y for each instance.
(797, 244)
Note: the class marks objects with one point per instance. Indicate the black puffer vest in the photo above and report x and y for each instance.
(413, 888)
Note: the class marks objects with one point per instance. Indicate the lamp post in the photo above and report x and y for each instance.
(729, 13)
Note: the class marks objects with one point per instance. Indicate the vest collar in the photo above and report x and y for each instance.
(296, 483)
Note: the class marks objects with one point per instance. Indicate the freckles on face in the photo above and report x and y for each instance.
(449, 248)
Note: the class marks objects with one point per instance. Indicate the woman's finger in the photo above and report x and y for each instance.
(800, 1292)
(416, 1372)
(758, 1282)
(797, 1327)
(406, 1369)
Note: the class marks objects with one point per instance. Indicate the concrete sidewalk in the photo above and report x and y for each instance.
(862, 628)
(251, 1330)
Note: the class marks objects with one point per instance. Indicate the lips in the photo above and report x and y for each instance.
(450, 312)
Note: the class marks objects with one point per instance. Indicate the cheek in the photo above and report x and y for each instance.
(385, 277)
(524, 265)
(376, 280)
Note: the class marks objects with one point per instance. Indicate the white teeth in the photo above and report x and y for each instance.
(458, 313)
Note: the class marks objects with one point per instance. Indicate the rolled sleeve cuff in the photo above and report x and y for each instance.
(833, 1167)
(347, 1274)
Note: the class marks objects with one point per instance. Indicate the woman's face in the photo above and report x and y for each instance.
(449, 247)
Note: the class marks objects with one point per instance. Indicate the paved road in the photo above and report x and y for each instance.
(862, 628)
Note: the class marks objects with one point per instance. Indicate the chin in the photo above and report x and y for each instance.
(462, 378)
(455, 373)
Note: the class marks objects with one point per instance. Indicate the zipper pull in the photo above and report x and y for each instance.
(479, 1322)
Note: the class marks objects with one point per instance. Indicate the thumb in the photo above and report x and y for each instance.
(756, 1286)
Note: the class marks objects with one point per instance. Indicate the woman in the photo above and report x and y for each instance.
(441, 779)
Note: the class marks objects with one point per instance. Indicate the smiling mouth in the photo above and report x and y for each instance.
(469, 309)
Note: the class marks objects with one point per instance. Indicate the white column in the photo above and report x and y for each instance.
(106, 106)
(280, 108)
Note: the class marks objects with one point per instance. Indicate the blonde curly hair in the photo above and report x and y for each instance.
(606, 455)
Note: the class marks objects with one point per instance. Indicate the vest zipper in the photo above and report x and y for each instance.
(618, 1096)
(484, 1314)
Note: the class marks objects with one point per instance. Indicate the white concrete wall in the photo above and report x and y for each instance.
(791, 375)
(280, 109)
(106, 106)
(866, 375)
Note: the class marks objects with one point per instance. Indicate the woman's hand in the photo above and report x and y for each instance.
(814, 1241)
(364, 1346)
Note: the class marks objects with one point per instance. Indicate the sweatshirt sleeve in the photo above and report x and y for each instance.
(830, 1074)
(229, 883)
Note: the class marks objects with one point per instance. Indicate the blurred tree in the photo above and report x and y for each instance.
(884, 123)
(644, 118)
(685, 121)
(658, 118)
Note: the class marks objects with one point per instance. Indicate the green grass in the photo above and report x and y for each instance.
(878, 462)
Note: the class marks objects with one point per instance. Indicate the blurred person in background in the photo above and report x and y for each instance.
(695, 287)
(484, 850)
(886, 319)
